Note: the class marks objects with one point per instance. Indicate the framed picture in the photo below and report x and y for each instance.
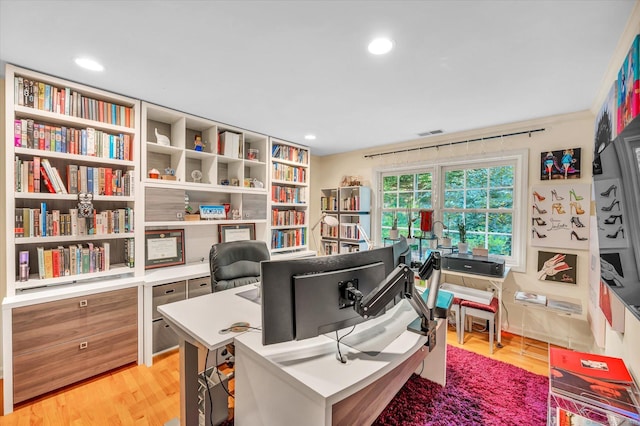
(237, 232)
(164, 247)
(556, 266)
(562, 164)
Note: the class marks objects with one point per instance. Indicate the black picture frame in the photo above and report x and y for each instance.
(163, 247)
(237, 232)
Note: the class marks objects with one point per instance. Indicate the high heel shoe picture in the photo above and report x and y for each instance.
(557, 207)
(579, 238)
(537, 196)
(534, 232)
(575, 220)
(615, 235)
(572, 193)
(613, 188)
(538, 221)
(612, 219)
(577, 207)
(555, 196)
(536, 208)
(610, 206)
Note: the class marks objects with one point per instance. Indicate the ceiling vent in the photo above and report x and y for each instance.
(431, 133)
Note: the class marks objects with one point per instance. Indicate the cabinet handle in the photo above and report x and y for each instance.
(170, 291)
(84, 303)
(204, 284)
(84, 345)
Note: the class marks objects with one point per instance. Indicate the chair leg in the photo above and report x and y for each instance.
(463, 321)
(491, 335)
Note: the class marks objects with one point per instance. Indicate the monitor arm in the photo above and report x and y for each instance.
(401, 282)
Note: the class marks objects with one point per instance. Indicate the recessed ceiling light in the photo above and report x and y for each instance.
(89, 64)
(380, 46)
(310, 137)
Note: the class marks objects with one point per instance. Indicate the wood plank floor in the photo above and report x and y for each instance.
(138, 395)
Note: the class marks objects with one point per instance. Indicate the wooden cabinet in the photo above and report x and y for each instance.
(59, 343)
(289, 197)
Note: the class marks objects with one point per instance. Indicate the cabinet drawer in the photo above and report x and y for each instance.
(163, 336)
(39, 326)
(199, 286)
(167, 293)
(38, 372)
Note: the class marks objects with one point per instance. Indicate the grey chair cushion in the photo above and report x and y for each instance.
(236, 263)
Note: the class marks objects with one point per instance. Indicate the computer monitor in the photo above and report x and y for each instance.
(315, 283)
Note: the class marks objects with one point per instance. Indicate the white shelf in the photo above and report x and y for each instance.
(72, 238)
(62, 119)
(34, 281)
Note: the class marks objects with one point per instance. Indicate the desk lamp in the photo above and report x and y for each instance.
(329, 220)
(365, 237)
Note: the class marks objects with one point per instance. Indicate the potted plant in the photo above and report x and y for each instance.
(393, 233)
(463, 247)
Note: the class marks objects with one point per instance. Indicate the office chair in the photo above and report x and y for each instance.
(236, 263)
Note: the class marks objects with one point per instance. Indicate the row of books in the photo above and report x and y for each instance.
(64, 100)
(350, 231)
(75, 259)
(289, 173)
(350, 203)
(286, 194)
(38, 175)
(287, 217)
(328, 231)
(288, 238)
(290, 153)
(87, 141)
(330, 248)
(43, 223)
(329, 203)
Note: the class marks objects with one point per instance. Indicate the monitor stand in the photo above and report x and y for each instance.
(253, 294)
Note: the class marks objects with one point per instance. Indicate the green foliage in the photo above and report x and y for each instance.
(462, 231)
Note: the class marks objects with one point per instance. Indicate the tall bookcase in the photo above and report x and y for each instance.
(72, 270)
(90, 137)
(289, 197)
(351, 205)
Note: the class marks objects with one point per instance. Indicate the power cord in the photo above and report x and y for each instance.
(342, 358)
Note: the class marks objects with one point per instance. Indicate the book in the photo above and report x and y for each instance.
(564, 306)
(596, 380)
(538, 299)
(567, 418)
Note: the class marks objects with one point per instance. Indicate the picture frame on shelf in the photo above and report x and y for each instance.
(237, 232)
(164, 247)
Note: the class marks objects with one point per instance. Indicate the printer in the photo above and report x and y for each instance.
(482, 265)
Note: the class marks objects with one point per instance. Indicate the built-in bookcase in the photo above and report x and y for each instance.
(352, 207)
(289, 196)
(65, 139)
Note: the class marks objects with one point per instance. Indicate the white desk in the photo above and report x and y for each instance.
(299, 380)
(496, 282)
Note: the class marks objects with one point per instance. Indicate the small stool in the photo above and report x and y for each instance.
(480, 310)
(455, 308)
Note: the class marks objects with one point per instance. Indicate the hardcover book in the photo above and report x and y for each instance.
(629, 86)
(537, 299)
(596, 380)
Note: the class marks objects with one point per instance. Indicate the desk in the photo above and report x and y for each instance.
(298, 380)
(496, 282)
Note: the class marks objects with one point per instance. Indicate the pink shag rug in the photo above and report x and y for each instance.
(479, 391)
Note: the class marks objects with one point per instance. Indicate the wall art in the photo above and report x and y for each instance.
(556, 266)
(562, 164)
(560, 216)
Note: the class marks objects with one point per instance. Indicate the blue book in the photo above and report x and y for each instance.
(43, 219)
(90, 180)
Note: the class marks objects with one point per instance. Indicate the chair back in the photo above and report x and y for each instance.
(236, 263)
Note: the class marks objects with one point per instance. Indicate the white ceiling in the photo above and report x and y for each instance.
(288, 68)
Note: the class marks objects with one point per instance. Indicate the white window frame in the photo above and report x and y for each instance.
(518, 158)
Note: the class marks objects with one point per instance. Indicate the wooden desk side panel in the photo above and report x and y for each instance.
(376, 396)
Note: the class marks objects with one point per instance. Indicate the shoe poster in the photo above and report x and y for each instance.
(560, 215)
(562, 164)
(612, 222)
(559, 267)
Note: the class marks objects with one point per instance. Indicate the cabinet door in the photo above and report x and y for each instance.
(167, 293)
(40, 326)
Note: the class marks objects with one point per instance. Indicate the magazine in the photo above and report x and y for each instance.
(538, 299)
(561, 305)
(567, 418)
(597, 380)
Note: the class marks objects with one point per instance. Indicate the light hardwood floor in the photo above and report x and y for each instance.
(138, 395)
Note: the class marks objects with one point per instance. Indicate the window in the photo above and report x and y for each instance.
(486, 195)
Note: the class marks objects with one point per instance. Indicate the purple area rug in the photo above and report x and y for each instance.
(479, 391)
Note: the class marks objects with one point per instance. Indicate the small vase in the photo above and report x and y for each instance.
(463, 247)
(393, 234)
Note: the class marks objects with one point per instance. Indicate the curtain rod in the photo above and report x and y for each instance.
(418, 148)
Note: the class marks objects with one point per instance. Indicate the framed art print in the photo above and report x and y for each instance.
(562, 164)
(163, 248)
(237, 232)
(557, 266)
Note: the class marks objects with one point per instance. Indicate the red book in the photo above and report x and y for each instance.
(45, 178)
(55, 258)
(108, 181)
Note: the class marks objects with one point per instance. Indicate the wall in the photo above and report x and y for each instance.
(3, 207)
(563, 131)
